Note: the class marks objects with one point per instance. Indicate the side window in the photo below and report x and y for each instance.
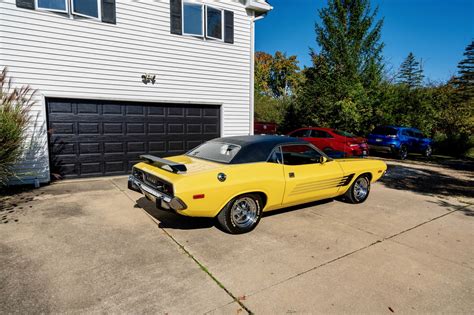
(53, 5)
(193, 18)
(300, 154)
(418, 134)
(86, 8)
(316, 134)
(326, 134)
(405, 133)
(276, 156)
(214, 23)
(102, 10)
(301, 133)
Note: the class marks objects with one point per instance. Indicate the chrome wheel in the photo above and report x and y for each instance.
(244, 212)
(403, 152)
(428, 151)
(361, 188)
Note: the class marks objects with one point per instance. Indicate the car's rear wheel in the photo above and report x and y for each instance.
(428, 151)
(359, 190)
(403, 152)
(241, 214)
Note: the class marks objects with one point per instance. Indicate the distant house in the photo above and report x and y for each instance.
(119, 78)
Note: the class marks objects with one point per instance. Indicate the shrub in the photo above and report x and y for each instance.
(15, 104)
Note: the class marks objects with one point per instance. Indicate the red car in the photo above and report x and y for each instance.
(330, 140)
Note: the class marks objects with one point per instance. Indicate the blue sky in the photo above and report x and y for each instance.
(436, 31)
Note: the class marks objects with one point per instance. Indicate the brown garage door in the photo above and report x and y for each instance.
(98, 138)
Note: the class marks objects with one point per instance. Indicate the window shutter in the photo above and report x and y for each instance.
(229, 27)
(176, 17)
(26, 4)
(109, 12)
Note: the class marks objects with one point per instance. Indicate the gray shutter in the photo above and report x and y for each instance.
(176, 17)
(26, 4)
(109, 12)
(229, 27)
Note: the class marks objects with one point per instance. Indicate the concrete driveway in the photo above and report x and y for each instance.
(94, 246)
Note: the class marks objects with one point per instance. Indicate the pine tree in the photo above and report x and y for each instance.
(349, 37)
(411, 72)
(347, 71)
(464, 81)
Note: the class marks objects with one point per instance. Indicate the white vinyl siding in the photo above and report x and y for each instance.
(88, 59)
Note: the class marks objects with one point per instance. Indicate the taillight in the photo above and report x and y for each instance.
(168, 189)
(351, 144)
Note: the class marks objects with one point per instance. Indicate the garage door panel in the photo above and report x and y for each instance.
(96, 138)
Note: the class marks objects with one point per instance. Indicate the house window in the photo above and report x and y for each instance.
(214, 23)
(193, 17)
(87, 8)
(53, 5)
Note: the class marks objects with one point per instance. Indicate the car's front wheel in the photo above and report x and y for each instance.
(403, 152)
(241, 214)
(428, 151)
(359, 190)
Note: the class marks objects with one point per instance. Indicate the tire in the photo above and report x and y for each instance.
(402, 152)
(359, 190)
(427, 152)
(248, 207)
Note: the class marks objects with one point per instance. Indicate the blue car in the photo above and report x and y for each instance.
(399, 141)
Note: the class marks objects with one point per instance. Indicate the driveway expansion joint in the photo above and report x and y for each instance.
(201, 266)
(358, 250)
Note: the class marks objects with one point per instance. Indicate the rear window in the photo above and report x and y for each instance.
(300, 133)
(387, 131)
(344, 133)
(215, 151)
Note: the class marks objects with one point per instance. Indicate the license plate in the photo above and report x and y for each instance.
(364, 152)
(378, 140)
(151, 191)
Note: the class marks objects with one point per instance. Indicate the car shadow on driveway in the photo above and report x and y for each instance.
(171, 220)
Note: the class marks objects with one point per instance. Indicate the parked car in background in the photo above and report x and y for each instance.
(264, 128)
(399, 141)
(333, 141)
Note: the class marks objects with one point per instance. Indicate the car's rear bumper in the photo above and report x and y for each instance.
(162, 201)
(382, 148)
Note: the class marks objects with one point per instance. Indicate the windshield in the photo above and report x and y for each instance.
(386, 131)
(344, 133)
(215, 151)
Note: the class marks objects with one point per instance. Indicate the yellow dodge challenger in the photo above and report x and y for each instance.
(237, 178)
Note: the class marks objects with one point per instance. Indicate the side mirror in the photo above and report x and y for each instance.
(323, 159)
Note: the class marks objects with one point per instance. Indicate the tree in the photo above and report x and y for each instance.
(464, 81)
(278, 75)
(277, 80)
(411, 72)
(349, 37)
(342, 86)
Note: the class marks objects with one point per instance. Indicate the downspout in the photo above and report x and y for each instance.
(252, 70)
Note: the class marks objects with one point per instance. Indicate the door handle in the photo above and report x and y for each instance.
(291, 174)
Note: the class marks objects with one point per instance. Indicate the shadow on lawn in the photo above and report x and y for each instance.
(427, 182)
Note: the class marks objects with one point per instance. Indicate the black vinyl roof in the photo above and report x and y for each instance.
(256, 148)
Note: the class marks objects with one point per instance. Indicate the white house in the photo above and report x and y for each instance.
(118, 78)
